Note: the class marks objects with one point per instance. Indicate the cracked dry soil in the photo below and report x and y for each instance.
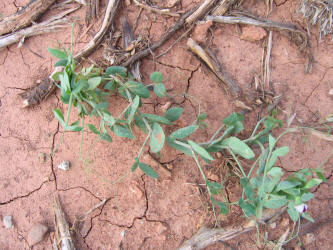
(143, 213)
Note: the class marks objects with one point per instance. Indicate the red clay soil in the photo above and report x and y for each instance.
(143, 213)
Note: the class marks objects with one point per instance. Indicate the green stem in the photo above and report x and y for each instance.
(81, 142)
(66, 124)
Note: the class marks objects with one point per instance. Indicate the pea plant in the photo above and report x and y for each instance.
(264, 185)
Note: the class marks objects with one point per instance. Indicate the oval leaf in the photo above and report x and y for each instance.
(238, 147)
(173, 114)
(148, 170)
(138, 88)
(156, 77)
(57, 53)
(200, 150)
(57, 113)
(183, 132)
(94, 82)
(157, 138)
(93, 129)
(157, 118)
(159, 89)
(116, 70)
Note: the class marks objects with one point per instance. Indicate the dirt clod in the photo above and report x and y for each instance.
(8, 221)
(253, 34)
(37, 233)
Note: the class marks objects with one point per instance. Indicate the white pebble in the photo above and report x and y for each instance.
(8, 221)
(64, 165)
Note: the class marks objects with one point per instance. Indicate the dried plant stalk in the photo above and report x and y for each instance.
(318, 12)
(203, 9)
(214, 65)
(206, 237)
(24, 17)
(223, 6)
(62, 232)
(156, 10)
(50, 25)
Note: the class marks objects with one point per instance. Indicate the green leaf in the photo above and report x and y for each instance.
(320, 174)
(157, 118)
(236, 120)
(307, 217)
(156, 77)
(140, 123)
(223, 207)
(173, 114)
(64, 80)
(215, 188)
(57, 113)
(61, 62)
(122, 131)
(138, 88)
(102, 105)
(271, 141)
(133, 109)
(238, 147)
(94, 82)
(148, 170)
(93, 129)
(307, 196)
(279, 152)
(159, 89)
(313, 182)
(200, 150)
(74, 127)
(248, 208)
(79, 86)
(109, 118)
(292, 212)
(106, 137)
(57, 53)
(116, 70)
(284, 185)
(272, 179)
(182, 133)
(135, 165)
(111, 86)
(275, 201)
(157, 138)
(202, 116)
(181, 148)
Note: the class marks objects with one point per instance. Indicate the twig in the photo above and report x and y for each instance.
(267, 71)
(158, 11)
(175, 42)
(108, 19)
(214, 66)
(62, 233)
(206, 237)
(110, 13)
(295, 35)
(223, 6)
(23, 18)
(203, 9)
(50, 25)
(160, 42)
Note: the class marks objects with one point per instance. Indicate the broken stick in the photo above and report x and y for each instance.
(62, 233)
(46, 87)
(214, 66)
(50, 25)
(23, 18)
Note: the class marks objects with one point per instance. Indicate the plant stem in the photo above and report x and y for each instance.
(238, 163)
(66, 123)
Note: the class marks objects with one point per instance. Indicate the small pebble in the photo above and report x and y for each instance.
(8, 221)
(123, 233)
(309, 238)
(330, 92)
(37, 233)
(64, 165)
